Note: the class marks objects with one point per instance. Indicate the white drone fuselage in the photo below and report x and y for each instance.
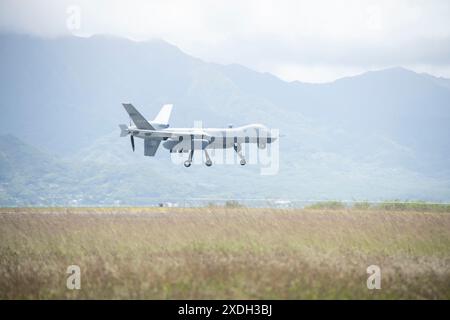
(190, 139)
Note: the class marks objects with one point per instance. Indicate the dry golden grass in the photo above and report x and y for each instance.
(241, 253)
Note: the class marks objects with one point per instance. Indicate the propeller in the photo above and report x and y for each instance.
(131, 138)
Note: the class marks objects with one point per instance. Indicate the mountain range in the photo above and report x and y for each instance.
(380, 135)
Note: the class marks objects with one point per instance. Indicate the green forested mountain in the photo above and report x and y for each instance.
(379, 135)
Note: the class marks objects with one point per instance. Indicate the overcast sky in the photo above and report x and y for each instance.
(313, 41)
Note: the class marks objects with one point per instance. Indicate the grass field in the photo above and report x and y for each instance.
(230, 253)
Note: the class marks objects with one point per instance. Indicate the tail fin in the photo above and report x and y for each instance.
(137, 118)
(164, 114)
(123, 130)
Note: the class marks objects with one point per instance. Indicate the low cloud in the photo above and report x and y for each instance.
(304, 40)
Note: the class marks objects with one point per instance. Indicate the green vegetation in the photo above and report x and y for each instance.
(227, 204)
(398, 205)
(230, 253)
(327, 205)
(233, 204)
(363, 205)
(394, 205)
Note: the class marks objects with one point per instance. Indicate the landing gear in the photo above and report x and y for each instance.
(188, 162)
(208, 159)
(237, 147)
(202, 146)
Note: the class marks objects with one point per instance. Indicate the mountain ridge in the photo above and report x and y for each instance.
(349, 138)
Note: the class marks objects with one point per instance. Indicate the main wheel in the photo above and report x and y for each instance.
(187, 163)
(208, 163)
(243, 162)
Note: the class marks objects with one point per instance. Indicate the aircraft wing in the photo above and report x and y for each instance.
(173, 134)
